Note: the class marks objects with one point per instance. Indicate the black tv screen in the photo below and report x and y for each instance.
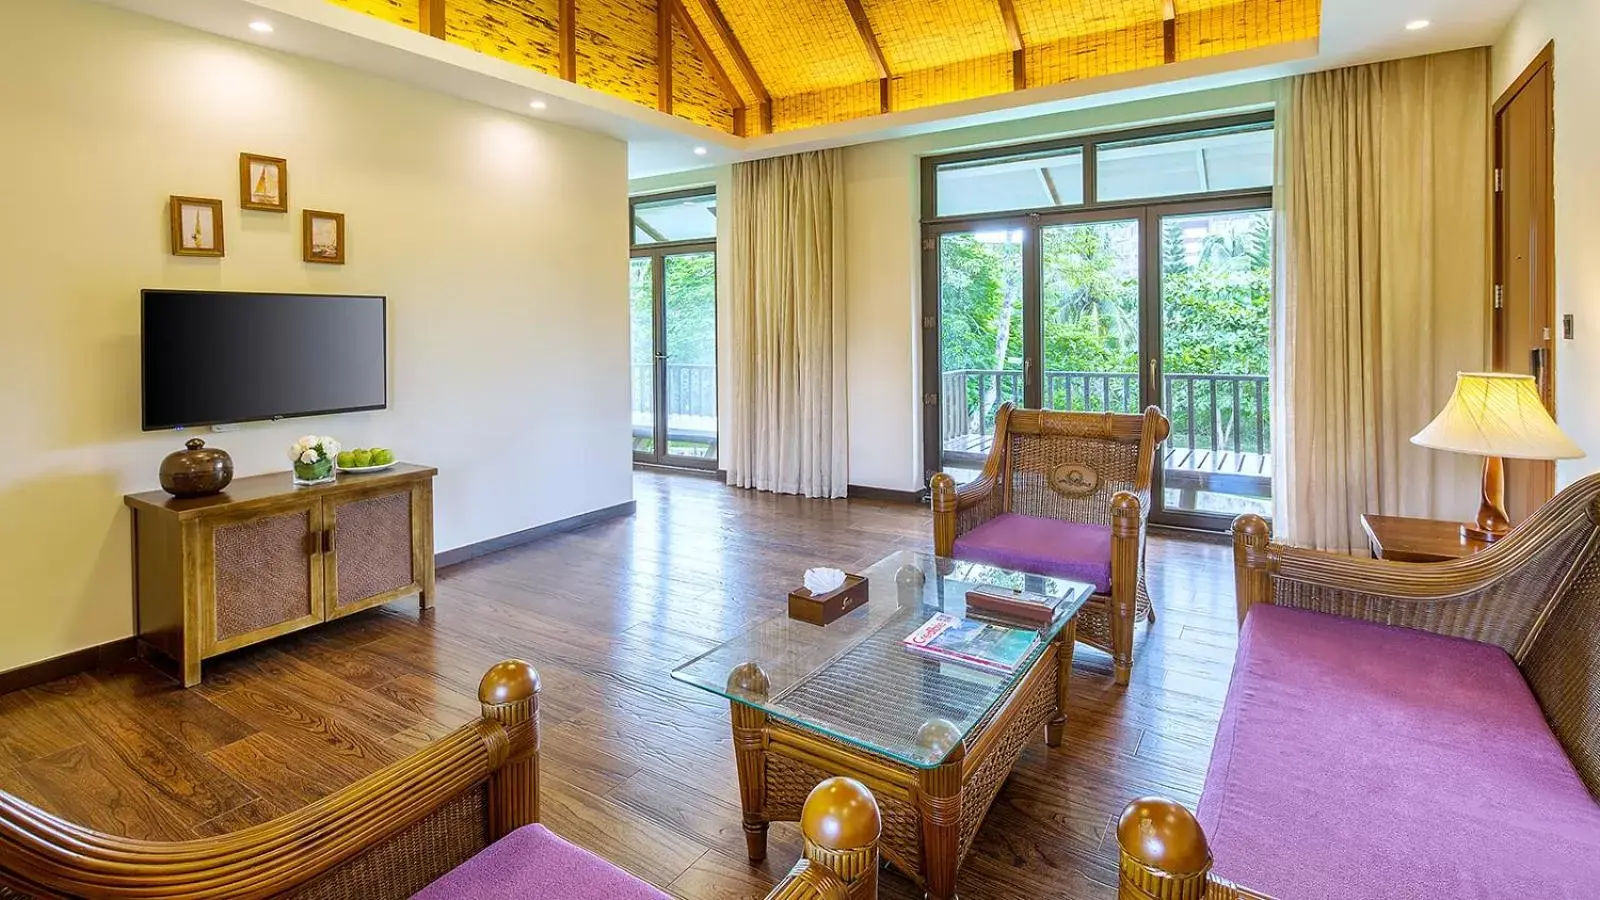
(212, 357)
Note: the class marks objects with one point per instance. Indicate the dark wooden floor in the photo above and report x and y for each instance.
(636, 767)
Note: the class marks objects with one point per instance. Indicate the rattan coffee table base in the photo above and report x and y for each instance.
(930, 816)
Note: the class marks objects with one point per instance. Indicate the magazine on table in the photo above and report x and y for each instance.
(982, 645)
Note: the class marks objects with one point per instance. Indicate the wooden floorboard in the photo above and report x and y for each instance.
(638, 768)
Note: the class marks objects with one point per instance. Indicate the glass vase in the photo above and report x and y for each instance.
(319, 472)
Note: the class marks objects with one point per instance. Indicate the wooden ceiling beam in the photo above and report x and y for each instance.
(1169, 31)
(664, 54)
(724, 31)
(869, 38)
(567, 27)
(1019, 55)
(431, 18)
(718, 73)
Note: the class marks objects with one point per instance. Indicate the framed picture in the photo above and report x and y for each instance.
(323, 237)
(263, 183)
(196, 226)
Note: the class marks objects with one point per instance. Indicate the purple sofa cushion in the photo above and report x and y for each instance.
(1043, 547)
(533, 864)
(1359, 761)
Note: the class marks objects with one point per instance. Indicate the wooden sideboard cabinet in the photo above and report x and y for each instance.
(265, 557)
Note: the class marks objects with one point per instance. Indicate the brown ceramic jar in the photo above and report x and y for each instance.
(197, 471)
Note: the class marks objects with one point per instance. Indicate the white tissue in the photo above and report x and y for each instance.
(821, 581)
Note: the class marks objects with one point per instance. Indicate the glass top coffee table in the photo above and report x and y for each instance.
(933, 739)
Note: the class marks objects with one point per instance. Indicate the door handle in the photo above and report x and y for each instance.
(327, 539)
(662, 356)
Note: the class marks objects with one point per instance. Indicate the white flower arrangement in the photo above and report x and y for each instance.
(312, 449)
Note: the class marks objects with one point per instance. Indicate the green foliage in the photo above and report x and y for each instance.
(1216, 310)
(691, 309)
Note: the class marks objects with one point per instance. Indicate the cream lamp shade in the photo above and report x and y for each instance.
(1494, 414)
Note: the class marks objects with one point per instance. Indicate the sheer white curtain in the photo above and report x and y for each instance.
(1382, 294)
(787, 426)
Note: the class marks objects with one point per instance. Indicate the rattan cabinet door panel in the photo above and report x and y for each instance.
(266, 577)
(372, 560)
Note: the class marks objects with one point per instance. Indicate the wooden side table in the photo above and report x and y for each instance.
(1405, 539)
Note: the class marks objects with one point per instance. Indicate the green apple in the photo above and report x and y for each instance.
(347, 458)
(382, 456)
(361, 458)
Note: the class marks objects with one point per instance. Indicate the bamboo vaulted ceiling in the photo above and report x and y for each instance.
(754, 66)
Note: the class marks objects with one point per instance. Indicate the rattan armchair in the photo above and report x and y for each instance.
(1534, 594)
(393, 833)
(1090, 468)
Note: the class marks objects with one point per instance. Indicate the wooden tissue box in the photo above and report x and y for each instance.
(821, 609)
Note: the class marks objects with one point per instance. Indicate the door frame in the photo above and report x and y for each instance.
(1542, 472)
(657, 253)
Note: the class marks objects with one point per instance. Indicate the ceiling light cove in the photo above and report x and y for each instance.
(261, 27)
(1417, 24)
(538, 104)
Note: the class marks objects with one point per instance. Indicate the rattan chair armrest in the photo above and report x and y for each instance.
(841, 824)
(1497, 596)
(809, 881)
(959, 497)
(42, 855)
(948, 502)
(1164, 854)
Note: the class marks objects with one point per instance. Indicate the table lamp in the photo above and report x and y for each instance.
(1496, 415)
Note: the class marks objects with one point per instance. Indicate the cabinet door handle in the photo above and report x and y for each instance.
(313, 543)
(327, 539)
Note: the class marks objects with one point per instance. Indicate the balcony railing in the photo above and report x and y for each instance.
(691, 389)
(1208, 412)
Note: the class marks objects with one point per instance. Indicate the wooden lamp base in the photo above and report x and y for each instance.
(1492, 523)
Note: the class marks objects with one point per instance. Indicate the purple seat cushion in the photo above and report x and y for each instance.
(1043, 547)
(533, 864)
(1358, 761)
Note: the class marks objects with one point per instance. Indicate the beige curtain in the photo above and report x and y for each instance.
(1383, 175)
(787, 425)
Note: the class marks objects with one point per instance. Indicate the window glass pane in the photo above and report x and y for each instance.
(690, 317)
(1019, 182)
(641, 313)
(679, 219)
(1222, 160)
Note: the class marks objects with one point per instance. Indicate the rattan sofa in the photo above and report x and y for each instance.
(1067, 494)
(1399, 730)
(410, 828)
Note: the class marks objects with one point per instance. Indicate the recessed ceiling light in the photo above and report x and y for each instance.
(538, 104)
(1417, 25)
(699, 151)
(261, 27)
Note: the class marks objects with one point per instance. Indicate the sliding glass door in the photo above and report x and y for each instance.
(983, 330)
(1144, 278)
(673, 306)
(1090, 318)
(1216, 309)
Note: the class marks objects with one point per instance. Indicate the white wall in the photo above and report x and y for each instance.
(499, 241)
(883, 263)
(1575, 27)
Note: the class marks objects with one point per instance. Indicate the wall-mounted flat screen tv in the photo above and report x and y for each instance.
(211, 358)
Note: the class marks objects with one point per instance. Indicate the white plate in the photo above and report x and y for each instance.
(358, 470)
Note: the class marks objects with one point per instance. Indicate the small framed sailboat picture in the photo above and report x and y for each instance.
(196, 226)
(323, 237)
(263, 183)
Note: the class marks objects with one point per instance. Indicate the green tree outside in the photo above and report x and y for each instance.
(1216, 307)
